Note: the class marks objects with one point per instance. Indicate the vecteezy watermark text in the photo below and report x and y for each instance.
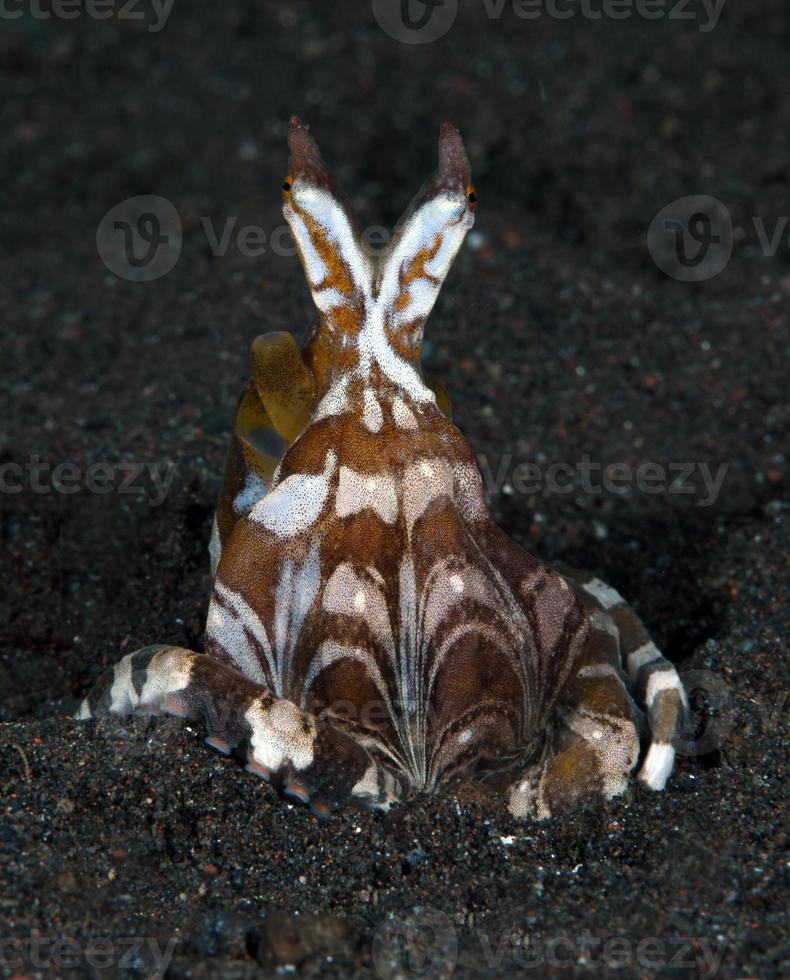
(252, 240)
(424, 943)
(40, 476)
(423, 21)
(700, 480)
(140, 238)
(63, 952)
(682, 10)
(134, 10)
(705, 729)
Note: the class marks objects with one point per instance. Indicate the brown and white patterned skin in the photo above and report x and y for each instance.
(371, 631)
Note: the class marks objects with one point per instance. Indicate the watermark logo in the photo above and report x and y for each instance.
(716, 714)
(415, 21)
(140, 238)
(691, 238)
(423, 21)
(421, 944)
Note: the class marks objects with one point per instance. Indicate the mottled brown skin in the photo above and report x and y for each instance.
(477, 688)
(385, 634)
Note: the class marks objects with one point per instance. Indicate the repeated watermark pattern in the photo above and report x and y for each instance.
(424, 21)
(415, 21)
(424, 943)
(153, 13)
(420, 943)
(700, 480)
(253, 240)
(51, 953)
(691, 239)
(140, 239)
(714, 715)
(37, 475)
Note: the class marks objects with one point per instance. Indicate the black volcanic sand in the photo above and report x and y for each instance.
(557, 337)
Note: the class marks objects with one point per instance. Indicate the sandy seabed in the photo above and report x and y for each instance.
(129, 848)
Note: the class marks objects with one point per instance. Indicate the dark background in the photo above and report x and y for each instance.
(557, 336)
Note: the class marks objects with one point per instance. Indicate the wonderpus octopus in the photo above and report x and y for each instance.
(371, 632)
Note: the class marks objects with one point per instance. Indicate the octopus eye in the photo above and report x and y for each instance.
(471, 195)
